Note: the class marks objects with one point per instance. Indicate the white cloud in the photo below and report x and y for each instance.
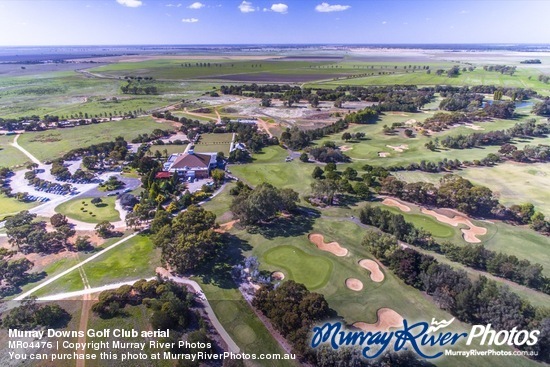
(246, 7)
(130, 3)
(196, 5)
(173, 5)
(189, 20)
(279, 8)
(384, 22)
(327, 8)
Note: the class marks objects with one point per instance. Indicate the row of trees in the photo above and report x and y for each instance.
(297, 139)
(480, 301)
(474, 256)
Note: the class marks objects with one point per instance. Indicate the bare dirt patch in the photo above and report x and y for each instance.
(400, 148)
(277, 275)
(397, 204)
(345, 148)
(383, 154)
(470, 234)
(226, 227)
(387, 318)
(410, 122)
(332, 247)
(473, 127)
(372, 266)
(354, 284)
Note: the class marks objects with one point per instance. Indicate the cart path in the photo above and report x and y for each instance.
(24, 151)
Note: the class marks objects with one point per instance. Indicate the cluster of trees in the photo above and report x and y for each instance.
(30, 236)
(544, 78)
(446, 165)
(498, 137)
(474, 256)
(542, 108)
(135, 86)
(189, 240)
(503, 69)
(365, 116)
(249, 134)
(31, 315)
(529, 154)
(531, 61)
(262, 204)
(154, 135)
(330, 184)
(328, 153)
(13, 273)
(297, 139)
(117, 150)
(293, 310)
(480, 301)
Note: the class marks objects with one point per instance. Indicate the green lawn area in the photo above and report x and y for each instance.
(213, 143)
(11, 206)
(83, 210)
(51, 144)
(10, 156)
(270, 166)
(170, 148)
(312, 271)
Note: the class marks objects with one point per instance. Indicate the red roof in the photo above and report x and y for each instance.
(194, 160)
(163, 174)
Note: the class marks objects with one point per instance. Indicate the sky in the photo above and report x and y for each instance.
(132, 22)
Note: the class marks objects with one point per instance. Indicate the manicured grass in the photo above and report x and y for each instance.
(241, 323)
(11, 206)
(83, 210)
(270, 166)
(312, 271)
(426, 222)
(220, 204)
(213, 143)
(52, 144)
(10, 156)
(170, 148)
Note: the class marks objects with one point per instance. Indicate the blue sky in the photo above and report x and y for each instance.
(92, 22)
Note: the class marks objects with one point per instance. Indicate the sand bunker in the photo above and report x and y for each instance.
(383, 154)
(473, 127)
(277, 275)
(225, 227)
(400, 148)
(470, 234)
(410, 122)
(376, 274)
(345, 148)
(387, 318)
(397, 204)
(332, 247)
(354, 284)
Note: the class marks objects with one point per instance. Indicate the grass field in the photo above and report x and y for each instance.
(52, 144)
(11, 206)
(312, 271)
(91, 213)
(170, 148)
(10, 156)
(213, 143)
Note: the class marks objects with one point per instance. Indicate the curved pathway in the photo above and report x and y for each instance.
(24, 151)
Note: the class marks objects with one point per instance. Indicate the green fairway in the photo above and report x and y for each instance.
(312, 271)
(83, 210)
(52, 144)
(11, 206)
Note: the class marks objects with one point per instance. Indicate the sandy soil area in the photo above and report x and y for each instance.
(410, 122)
(345, 148)
(397, 204)
(473, 127)
(376, 274)
(470, 234)
(354, 284)
(332, 247)
(400, 148)
(277, 275)
(383, 154)
(387, 318)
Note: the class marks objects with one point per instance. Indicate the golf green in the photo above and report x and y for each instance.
(312, 271)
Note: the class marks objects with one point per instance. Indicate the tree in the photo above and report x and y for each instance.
(304, 157)
(326, 190)
(218, 176)
(83, 243)
(104, 229)
(317, 173)
(362, 190)
(189, 241)
(266, 102)
(346, 136)
(338, 103)
(263, 203)
(409, 133)
(58, 220)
